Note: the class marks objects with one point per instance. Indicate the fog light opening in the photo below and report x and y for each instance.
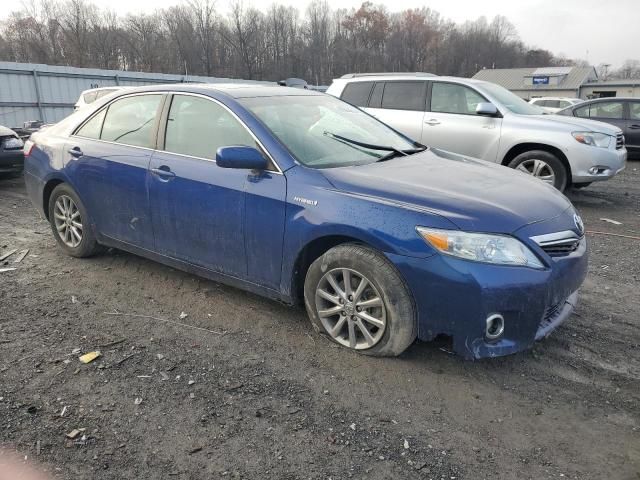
(495, 326)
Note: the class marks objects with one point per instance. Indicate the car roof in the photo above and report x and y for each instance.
(4, 131)
(233, 90)
(612, 99)
(380, 77)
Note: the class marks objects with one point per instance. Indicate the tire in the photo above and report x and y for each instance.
(543, 165)
(579, 186)
(396, 326)
(64, 202)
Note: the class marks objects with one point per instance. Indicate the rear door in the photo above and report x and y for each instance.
(632, 132)
(107, 160)
(451, 122)
(612, 112)
(400, 104)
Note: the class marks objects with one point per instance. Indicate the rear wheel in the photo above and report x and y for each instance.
(543, 165)
(70, 222)
(356, 297)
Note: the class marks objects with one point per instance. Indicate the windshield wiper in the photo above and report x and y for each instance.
(371, 146)
(394, 154)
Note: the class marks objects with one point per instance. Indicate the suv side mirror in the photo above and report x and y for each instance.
(240, 157)
(487, 109)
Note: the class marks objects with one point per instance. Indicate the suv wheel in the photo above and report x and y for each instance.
(70, 222)
(356, 297)
(544, 166)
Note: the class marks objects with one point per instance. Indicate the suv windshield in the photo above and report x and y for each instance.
(511, 101)
(323, 132)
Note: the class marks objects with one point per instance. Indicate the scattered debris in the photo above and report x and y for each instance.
(183, 315)
(2, 270)
(353, 427)
(160, 356)
(76, 351)
(406, 444)
(89, 357)
(195, 450)
(191, 382)
(21, 255)
(137, 401)
(122, 360)
(74, 299)
(64, 410)
(8, 254)
(74, 433)
(112, 344)
(608, 220)
(166, 321)
(164, 376)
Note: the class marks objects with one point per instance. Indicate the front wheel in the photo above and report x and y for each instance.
(356, 297)
(543, 165)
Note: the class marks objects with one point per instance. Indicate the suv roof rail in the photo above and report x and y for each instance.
(388, 74)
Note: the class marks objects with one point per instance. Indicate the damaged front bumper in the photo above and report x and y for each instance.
(455, 297)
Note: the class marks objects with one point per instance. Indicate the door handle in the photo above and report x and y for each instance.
(75, 152)
(634, 127)
(432, 121)
(163, 172)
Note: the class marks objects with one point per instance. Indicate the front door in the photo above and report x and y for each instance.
(452, 122)
(200, 211)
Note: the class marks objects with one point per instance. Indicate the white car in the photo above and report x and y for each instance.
(93, 94)
(554, 104)
(483, 120)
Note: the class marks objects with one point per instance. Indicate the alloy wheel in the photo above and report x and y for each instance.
(350, 308)
(539, 169)
(68, 221)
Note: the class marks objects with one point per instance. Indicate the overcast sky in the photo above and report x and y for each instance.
(596, 30)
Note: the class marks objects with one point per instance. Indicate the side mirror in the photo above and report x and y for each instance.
(487, 109)
(247, 158)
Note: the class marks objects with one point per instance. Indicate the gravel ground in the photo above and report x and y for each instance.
(241, 387)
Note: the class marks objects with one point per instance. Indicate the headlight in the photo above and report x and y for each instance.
(13, 143)
(594, 139)
(480, 247)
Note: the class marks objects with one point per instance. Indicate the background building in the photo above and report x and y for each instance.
(573, 82)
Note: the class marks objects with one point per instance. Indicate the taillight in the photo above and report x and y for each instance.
(28, 146)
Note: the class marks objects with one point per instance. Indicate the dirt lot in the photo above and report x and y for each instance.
(253, 393)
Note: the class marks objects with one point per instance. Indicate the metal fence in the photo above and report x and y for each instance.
(48, 93)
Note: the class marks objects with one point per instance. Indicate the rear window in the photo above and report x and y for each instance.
(404, 95)
(357, 93)
(612, 110)
(130, 120)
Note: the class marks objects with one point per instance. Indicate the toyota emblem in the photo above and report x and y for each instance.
(579, 224)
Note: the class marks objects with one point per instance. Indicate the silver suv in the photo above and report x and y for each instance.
(484, 120)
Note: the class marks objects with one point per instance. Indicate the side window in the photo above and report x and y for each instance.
(404, 96)
(564, 104)
(92, 128)
(606, 110)
(582, 112)
(634, 110)
(453, 98)
(198, 127)
(130, 120)
(553, 103)
(357, 93)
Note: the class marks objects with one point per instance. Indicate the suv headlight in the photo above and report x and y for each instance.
(481, 247)
(12, 143)
(594, 139)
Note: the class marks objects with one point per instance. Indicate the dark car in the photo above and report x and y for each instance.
(11, 155)
(302, 197)
(621, 112)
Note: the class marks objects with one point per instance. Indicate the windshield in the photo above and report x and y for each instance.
(511, 101)
(321, 131)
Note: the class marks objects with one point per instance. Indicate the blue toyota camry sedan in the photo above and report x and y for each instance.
(301, 197)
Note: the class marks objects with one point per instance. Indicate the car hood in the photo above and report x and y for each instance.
(4, 132)
(571, 124)
(473, 194)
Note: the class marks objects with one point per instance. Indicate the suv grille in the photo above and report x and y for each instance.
(619, 141)
(558, 244)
